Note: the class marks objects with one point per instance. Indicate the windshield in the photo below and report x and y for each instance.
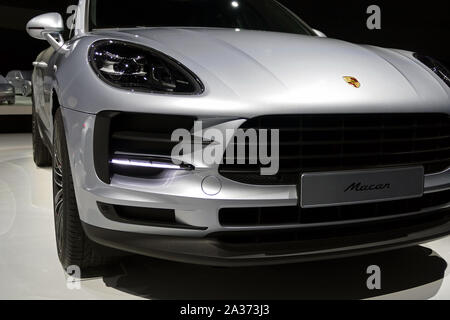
(3, 80)
(27, 75)
(263, 15)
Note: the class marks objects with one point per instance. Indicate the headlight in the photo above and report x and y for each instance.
(133, 67)
(435, 66)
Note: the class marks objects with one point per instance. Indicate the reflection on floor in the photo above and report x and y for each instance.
(29, 267)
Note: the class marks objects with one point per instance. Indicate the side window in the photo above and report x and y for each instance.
(10, 75)
(19, 74)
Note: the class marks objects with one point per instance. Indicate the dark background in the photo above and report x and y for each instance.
(410, 25)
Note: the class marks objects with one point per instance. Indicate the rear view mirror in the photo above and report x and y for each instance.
(48, 26)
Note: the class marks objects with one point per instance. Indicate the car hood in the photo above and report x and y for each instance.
(264, 68)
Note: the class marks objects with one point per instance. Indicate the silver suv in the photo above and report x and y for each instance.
(360, 136)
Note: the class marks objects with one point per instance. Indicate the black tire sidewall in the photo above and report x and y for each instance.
(37, 143)
(59, 138)
(41, 155)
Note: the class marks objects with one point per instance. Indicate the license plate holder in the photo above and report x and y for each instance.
(325, 189)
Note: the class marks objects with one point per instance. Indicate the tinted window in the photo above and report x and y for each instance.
(27, 75)
(265, 15)
(3, 80)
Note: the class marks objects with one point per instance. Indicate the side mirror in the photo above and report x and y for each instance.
(319, 33)
(48, 26)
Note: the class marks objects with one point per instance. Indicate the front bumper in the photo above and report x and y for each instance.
(193, 207)
(212, 251)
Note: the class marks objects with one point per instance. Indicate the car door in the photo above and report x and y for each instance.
(20, 82)
(17, 82)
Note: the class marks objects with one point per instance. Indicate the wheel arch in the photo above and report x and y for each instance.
(55, 103)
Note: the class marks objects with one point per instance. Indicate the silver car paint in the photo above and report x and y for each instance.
(182, 193)
(246, 73)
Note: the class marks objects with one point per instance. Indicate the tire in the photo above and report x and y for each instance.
(74, 247)
(41, 156)
(11, 102)
(28, 91)
(24, 92)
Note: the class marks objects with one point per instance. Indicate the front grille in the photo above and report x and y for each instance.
(324, 237)
(251, 217)
(312, 143)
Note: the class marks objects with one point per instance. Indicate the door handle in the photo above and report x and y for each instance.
(42, 65)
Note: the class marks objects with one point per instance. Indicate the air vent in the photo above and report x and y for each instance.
(163, 218)
(136, 144)
(275, 216)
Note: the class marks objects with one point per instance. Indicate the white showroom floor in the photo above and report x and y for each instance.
(29, 267)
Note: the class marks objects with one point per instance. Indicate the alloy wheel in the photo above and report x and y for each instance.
(58, 192)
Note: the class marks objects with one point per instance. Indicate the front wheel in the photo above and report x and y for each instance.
(28, 91)
(74, 247)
